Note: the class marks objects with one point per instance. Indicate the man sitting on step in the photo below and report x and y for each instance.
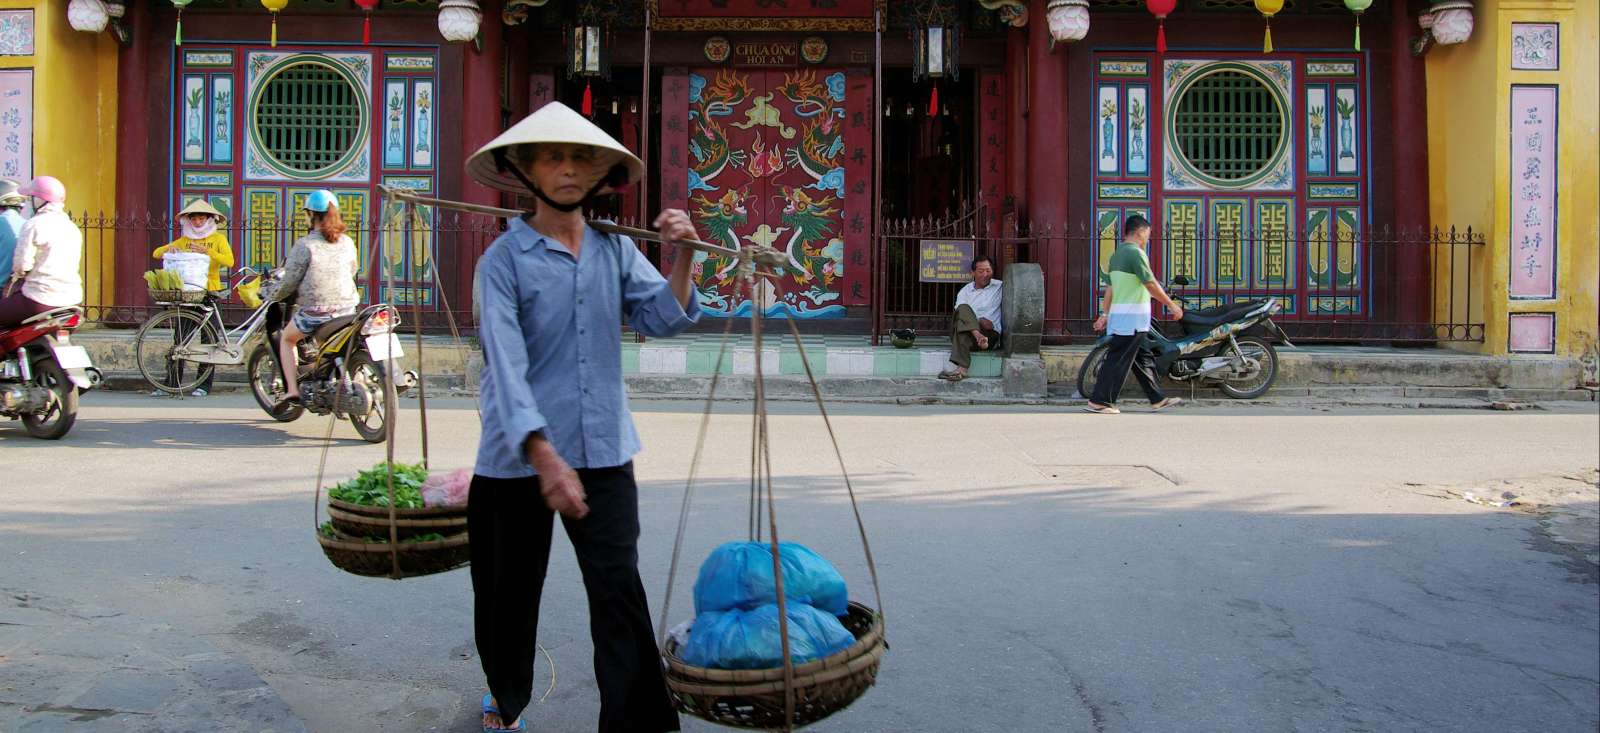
(976, 323)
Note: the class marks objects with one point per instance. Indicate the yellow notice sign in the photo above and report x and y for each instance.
(946, 260)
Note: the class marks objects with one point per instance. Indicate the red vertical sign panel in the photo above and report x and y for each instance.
(992, 145)
(674, 145)
(859, 105)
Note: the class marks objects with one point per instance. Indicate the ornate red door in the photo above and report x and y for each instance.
(767, 166)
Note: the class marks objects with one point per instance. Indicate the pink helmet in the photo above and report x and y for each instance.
(47, 188)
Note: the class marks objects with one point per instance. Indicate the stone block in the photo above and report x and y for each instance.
(1022, 308)
(1023, 376)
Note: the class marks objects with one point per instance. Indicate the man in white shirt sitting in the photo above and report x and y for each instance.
(976, 325)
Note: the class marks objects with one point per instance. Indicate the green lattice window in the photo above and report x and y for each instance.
(1228, 125)
(308, 117)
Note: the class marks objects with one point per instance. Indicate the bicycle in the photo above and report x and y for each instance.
(193, 332)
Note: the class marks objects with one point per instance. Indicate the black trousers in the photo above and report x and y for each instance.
(511, 527)
(180, 333)
(1126, 353)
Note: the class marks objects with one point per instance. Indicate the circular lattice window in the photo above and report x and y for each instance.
(1229, 127)
(308, 119)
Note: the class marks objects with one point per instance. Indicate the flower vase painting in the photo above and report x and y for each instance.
(1345, 106)
(1108, 130)
(194, 123)
(1137, 158)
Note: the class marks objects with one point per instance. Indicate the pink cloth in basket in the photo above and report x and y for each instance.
(447, 489)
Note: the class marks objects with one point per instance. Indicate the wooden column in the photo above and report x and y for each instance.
(1047, 155)
(1409, 125)
(480, 121)
(134, 91)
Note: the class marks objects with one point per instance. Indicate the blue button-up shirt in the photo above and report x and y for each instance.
(552, 353)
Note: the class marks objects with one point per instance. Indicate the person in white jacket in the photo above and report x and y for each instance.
(45, 267)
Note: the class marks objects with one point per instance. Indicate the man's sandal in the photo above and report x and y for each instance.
(1102, 410)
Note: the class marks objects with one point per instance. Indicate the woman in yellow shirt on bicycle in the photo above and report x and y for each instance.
(202, 233)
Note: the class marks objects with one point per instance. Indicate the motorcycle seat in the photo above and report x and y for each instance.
(1218, 315)
(327, 330)
(49, 315)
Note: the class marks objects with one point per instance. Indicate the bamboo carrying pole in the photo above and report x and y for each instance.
(604, 226)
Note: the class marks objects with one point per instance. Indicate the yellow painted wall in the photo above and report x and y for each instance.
(1469, 139)
(75, 123)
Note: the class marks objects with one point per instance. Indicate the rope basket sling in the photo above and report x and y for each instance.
(789, 696)
(382, 541)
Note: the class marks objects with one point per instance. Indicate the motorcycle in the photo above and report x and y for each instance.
(1212, 350)
(344, 369)
(42, 373)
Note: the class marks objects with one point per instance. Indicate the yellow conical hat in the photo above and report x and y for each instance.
(553, 123)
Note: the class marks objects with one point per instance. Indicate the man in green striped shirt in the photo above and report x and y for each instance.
(1125, 310)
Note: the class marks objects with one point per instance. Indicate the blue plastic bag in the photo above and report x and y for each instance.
(738, 575)
(740, 639)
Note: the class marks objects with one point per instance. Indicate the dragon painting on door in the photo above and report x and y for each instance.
(766, 167)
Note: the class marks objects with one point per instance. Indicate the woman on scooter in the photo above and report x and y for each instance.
(321, 274)
(44, 269)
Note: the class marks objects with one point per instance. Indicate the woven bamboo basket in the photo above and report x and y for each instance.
(354, 555)
(178, 296)
(361, 525)
(754, 698)
(431, 512)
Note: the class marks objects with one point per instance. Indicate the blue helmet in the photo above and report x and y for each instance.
(321, 200)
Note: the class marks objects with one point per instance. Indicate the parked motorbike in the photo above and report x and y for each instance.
(344, 369)
(42, 373)
(1213, 349)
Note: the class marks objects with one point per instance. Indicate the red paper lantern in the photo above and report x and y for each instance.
(1161, 9)
(366, 24)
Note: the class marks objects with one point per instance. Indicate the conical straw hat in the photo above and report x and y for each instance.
(553, 123)
(199, 206)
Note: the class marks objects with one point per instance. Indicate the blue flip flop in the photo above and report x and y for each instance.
(488, 707)
(522, 727)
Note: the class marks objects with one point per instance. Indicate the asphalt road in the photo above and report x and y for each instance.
(1043, 570)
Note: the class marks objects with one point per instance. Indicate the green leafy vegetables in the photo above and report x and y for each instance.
(371, 487)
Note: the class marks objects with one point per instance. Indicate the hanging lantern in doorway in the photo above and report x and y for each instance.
(1357, 7)
(366, 23)
(588, 51)
(1161, 9)
(177, 35)
(274, 6)
(935, 48)
(1268, 8)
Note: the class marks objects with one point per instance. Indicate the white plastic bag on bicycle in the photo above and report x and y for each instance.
(193, 267)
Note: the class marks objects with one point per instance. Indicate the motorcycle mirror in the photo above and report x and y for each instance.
(1180, 280)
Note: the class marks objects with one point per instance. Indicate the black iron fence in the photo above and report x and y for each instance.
(432, 259)
(1333, 285)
